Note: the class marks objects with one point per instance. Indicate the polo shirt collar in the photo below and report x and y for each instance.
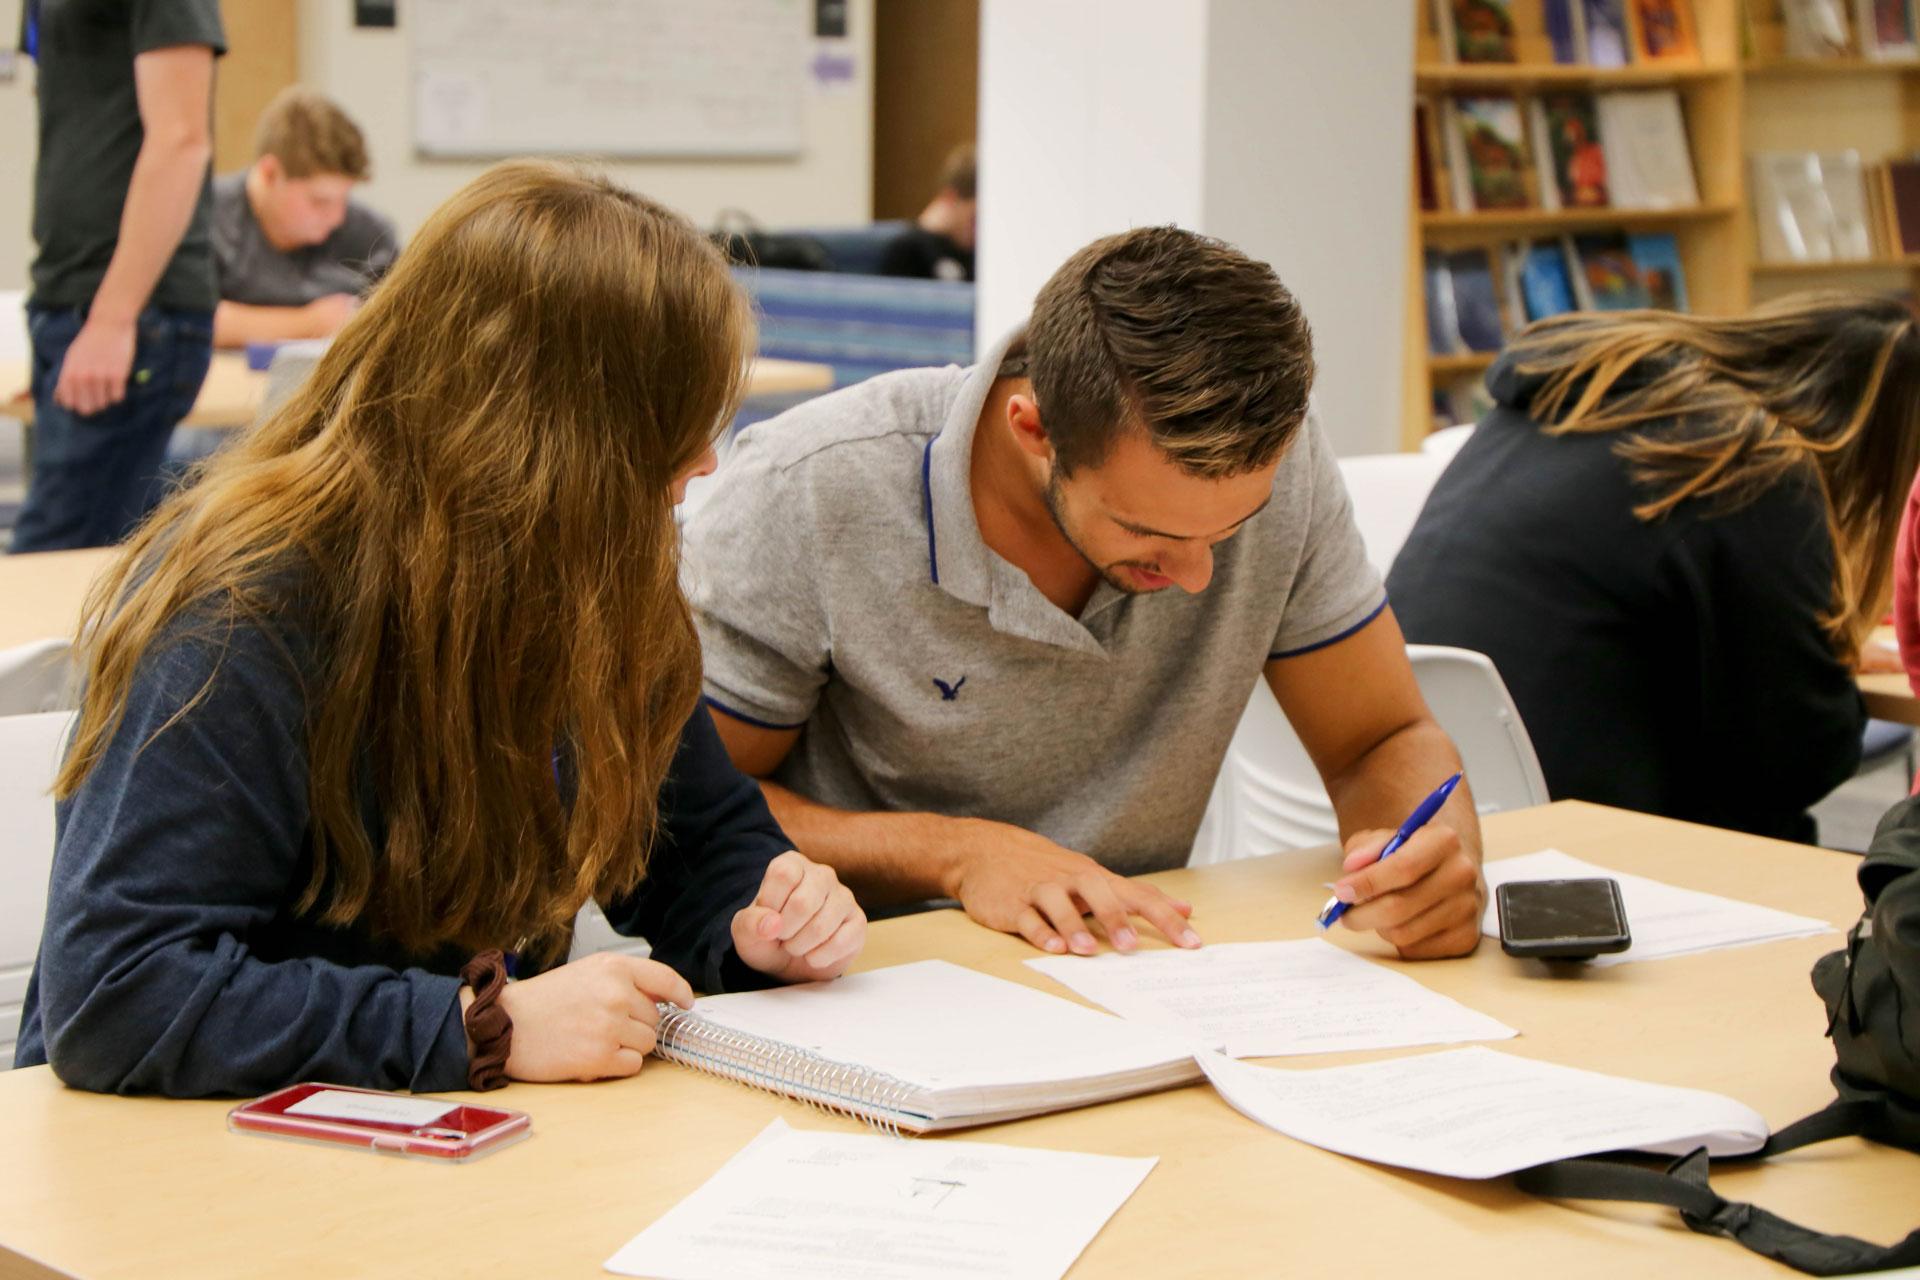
(958, 558)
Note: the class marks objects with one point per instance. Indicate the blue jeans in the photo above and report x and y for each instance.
(93, 476)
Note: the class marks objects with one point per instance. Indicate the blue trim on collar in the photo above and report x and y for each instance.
(747, 719)
(926, 484)
(1321, 644)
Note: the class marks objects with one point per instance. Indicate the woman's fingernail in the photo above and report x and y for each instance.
(1344, 892)
(1083, 942)
(1189, 939)
(1125, 939)
(1055, 945)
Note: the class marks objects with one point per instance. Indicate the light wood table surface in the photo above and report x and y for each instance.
(1888, 695)
(41, 593)
(102, 1187)
(232, 393)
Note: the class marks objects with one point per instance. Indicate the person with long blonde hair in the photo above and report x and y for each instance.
(407, 679)
(1673, 534)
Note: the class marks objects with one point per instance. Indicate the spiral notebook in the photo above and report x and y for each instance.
(924, 1047)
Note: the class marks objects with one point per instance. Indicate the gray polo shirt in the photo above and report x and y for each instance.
(252, 271)
(841, 584)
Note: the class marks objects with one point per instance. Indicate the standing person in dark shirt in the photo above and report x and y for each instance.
(121, 312)
(408, 678)
(939, 245)
(1672, 535)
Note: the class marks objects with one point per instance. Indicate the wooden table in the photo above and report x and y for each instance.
(232, 393)
(1889, 696)
(101, 1186)
(41, 593)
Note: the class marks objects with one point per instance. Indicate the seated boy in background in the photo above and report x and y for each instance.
(939, 244)
(292, 250)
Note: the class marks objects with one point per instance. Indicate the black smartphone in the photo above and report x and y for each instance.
(1562, 919)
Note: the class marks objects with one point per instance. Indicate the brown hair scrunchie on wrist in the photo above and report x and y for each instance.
(488, 1027)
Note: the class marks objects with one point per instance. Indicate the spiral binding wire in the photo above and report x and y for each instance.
(837, 1088)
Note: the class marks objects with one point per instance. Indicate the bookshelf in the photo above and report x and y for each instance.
(1738, 101)
(1713, 236)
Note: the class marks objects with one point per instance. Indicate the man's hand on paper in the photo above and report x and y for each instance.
(803, 926)
(1426, 899)
(1015, 881)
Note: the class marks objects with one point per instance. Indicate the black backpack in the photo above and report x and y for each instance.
(1872, 990)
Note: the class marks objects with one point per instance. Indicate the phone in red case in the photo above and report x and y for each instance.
(397, 1124)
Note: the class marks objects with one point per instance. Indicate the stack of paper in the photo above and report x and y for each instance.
(1265, 999)
(825, 1206)
(1664, 920)
(1479, 1113)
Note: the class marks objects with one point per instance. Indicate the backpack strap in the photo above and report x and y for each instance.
(1683, 1185)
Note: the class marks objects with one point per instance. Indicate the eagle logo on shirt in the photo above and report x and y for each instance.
(949, 692)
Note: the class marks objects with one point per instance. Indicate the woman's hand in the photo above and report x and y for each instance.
(588, 1020)
(803, 926)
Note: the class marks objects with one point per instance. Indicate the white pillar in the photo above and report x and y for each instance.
(1283, 126)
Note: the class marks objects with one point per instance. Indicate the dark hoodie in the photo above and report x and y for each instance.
(1678, 666)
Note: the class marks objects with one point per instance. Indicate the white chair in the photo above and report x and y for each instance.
(1388, 490)
(592, 933)
(1269, 796)
(1446, 441)
(30, 751)
(37, 677)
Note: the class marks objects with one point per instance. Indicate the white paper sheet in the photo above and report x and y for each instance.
(1664, 920)
(839, 1206)
(1265, 999)
(1479, 1113)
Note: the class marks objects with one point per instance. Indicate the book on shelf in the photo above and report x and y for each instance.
(1477, 31)
(1487, 150)
(1566, 33)
(1546, 280)
(1886, 30)
(1425, 175)
(1607, 279)
(1443, 322)
(1644, 135)
(1476, 296)
(1663, 32)
(1567, 151)
(1607, 41)
(1821, 207)
(1816, 28)
(1656, 256)
(1903, 204)
(1464, 301)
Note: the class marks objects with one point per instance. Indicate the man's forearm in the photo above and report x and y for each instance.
(1383, 786)
(166, 184)
(885, 858)
(235, 324)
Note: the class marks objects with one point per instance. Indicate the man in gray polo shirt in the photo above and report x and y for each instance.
(941, 621)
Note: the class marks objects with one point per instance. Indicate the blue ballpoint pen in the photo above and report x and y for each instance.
(1421, 815)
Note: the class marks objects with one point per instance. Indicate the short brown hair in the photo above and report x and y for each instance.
(308, 134)
(958, 174)
(1177, 333)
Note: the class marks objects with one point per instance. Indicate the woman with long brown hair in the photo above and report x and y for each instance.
(1672, 535)
(406, 679)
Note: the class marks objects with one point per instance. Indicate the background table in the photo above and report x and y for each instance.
(231, 395)
(1889, 696)
(41, 593)
(100, 1186)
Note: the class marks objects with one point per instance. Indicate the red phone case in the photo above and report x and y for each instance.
(343, 1116)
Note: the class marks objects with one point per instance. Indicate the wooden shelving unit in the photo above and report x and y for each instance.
(1714, 237)
(1737, 102)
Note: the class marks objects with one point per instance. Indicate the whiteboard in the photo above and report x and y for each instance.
(608, 77)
